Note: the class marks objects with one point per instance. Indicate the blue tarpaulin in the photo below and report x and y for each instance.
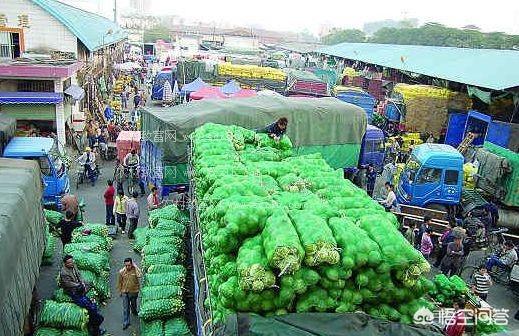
(194, 86)
(30, 98)
(231, 87)
(75, 92)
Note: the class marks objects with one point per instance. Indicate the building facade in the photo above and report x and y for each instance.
(46, 48)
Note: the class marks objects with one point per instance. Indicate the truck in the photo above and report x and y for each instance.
(158, 83)
(53, 171)
(372, 150)
(500, 133)
(22, 242)
(432, 177)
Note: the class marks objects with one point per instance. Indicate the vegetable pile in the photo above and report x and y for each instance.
(62, 319)
(50, 247)
(284, 233)
(91, 256)
(162, 247)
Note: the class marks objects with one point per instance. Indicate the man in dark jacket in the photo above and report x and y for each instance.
(276, 130)
(67, 225)
(371, 177)
(73, 285)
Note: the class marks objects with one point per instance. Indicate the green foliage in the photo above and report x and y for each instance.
(346, 35)
(434, 34)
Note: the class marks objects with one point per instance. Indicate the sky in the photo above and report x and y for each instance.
(496, 15)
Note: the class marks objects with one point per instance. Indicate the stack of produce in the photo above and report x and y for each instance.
(50, 247)
(447, 290)
(305, 82)
(427, 106)
(62, 319)
(250, 71)
(116, 104)
(162, 247)
(90, 248)
(284, 233)
(53, 218)
(409, 139)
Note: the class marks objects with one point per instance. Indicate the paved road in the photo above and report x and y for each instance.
(95, 213)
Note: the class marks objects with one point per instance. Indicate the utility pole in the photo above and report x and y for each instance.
(115, 11)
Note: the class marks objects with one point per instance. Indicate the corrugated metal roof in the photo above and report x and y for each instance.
(89, 28)
(487, 68)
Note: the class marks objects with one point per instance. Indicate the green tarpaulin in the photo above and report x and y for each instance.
(322, 324)
(334, 126)
(511, 180)
(22, 240)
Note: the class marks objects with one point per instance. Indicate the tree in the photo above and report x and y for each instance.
(158, 32)
(346, 35)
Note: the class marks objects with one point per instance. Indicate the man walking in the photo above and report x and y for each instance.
(74, 286)
(109, 203)
(132, 213)
(371, 177)
(120, 209)
(128, 288)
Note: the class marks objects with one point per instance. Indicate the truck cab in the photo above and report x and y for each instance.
(53, 170)
(372, 149)
(432, 175)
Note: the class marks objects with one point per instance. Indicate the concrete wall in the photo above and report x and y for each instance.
(9, 85)
(45, 31)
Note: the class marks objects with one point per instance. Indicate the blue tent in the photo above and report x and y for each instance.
(194, 86)
(231, 87)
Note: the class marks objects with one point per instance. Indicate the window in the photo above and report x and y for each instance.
(429, 175)
(35, 86)
(451, 177)
(44, 166)
(9, 45)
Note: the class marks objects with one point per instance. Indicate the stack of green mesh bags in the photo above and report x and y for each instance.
(91, 254)
(162, 247)
(284, 233)
(62, 319)
(447, 290)
(52, 219)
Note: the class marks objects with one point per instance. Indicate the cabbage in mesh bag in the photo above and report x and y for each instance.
(151, 328)
(94, 262)
(63, 315)
(171, 278)
(95, 229)
(161, 292)
(140, 238)
(161, 309)
(106, 242)
(176, 327)
(167, 212)
(47, 332)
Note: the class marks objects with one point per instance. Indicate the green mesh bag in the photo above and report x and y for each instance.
(94, 262)
(149, 293)
(94, 247)
(151, 328)
(47, 332)
(74, 333)
(176, 327)
(96, 229)
(159, 269)
(53, 217)
(161, 309)
(171, 278)
(171, 258)
(172, 227)
(50, 248)
(106, 242)
(140, 238)
(63, 315)
(168, 212)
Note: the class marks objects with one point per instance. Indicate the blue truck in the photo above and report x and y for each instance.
(158, 83)
(432, 177)
(500, 133)
(372, 149)
(53, 170)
